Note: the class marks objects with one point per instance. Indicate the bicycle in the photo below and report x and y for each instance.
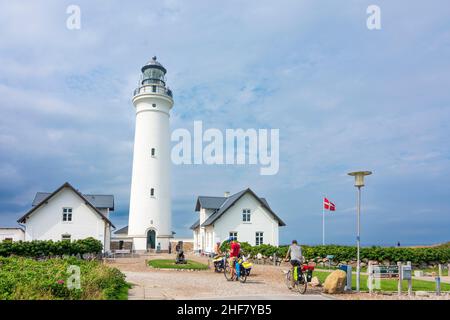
(301, 283)
(242, 277)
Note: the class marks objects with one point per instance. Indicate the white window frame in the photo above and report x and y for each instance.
(233, 234)
(152, 192)
(67, 239)
(259, 238)
(246, 216)
(67, 215)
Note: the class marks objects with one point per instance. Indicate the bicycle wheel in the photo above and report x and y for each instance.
(243, 275)
(301, 284)
(288, 279)
(227, 272)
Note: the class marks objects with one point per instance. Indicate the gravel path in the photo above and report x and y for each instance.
(265, 282)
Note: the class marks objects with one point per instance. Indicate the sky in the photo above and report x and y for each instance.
(344, 98)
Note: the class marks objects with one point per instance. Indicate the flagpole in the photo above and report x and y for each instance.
(323, 221)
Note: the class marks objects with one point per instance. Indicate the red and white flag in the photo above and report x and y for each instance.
(328, 205)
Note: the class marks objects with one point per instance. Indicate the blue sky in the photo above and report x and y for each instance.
(343, 97)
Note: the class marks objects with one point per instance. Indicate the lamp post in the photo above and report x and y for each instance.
(359, 182)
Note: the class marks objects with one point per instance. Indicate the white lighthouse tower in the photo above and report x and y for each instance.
(150, 216)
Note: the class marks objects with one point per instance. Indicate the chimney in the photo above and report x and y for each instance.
(226, 194)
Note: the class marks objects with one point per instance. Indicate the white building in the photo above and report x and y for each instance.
(66, 214)
(12, 234)
(150, 216)
(243, 215)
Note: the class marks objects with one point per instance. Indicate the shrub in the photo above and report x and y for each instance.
(345, 253)
(49, 248)
(24, 278)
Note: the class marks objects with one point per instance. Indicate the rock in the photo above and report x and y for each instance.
(422, 294)
(363, 264)
(315, 282)
(365, 260)
(335, 282)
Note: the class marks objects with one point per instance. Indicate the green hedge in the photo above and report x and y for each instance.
(39, 248)
(346, 253)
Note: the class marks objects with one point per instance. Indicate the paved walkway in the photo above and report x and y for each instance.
(264, 283)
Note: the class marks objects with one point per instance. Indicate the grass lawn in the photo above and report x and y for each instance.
(170, 264)
(389, 284)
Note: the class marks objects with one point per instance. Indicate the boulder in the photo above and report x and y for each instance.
(422, 294)
(315, 282)
(335, 282)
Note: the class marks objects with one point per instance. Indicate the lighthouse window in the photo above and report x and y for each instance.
(153, 152)
(154, 105)
(153, 88)
(152, 192)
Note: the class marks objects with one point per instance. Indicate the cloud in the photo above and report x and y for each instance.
(342, 96)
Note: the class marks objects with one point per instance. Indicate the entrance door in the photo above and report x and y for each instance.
(151, 239)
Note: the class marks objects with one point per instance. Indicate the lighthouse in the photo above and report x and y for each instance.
(150, 216)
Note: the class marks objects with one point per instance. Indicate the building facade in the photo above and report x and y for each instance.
(12, 234)
(66, 214)
(243, 216)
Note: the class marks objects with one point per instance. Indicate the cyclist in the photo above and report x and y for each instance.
(235, 248)
(295, 252)
(217, 251)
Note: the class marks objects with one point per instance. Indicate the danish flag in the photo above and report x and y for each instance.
(328, 205)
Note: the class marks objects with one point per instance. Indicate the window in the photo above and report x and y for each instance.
(259, 238)
(154, 104)
(67, 214)
(246, 215)
(152, 192)
(233, 235)
(153, 88)
(65, 237)
(153, 152)
(8, 240)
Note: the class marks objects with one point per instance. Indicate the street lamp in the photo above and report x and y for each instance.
(359, 182)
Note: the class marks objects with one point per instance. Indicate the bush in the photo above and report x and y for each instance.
(49, 248)
(346, 253)
(29, 279)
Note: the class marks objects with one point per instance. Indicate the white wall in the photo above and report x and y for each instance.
(46, 223)
(146, 212)
(16, 234)
(261, 221)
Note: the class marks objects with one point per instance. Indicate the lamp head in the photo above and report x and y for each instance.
(359, 177)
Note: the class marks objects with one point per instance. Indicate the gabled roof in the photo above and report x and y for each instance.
(209, 202)
(123, 230)
(228, 202)
(100, 201)
(195, 225)
(50, 195)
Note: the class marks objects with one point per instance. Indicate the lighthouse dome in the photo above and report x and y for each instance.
(154, 64)
(153, 73)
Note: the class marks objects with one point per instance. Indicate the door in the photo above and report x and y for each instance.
(151, 239)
